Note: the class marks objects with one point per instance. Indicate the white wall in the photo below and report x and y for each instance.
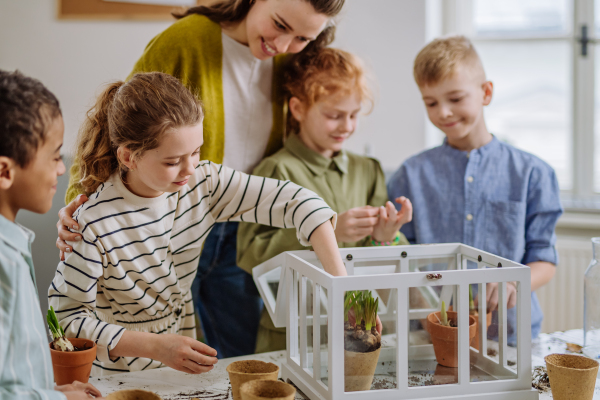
(387, 35)
(73, 58)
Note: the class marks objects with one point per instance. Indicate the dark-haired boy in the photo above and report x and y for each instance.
(31, 135)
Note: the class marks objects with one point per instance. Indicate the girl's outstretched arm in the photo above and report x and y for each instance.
(324, 243)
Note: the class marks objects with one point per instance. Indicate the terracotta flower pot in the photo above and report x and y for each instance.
(571, 376)
(249, 370)
(445, 338)
(72, 366)
(488, 322)
(261, 389)
(133, 394)
(359, 370)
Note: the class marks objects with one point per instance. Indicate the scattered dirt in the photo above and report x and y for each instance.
(540, 380)
(574, 348)
(492, 352)
(201, 395)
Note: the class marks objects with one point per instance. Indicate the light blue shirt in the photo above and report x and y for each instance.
(496, 198)
(25, 364)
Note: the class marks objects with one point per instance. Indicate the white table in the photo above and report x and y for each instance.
(174, 385)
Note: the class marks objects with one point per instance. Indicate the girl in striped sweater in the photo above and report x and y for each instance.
(126, 283)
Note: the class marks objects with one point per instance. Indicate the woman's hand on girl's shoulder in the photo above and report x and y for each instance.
(66, 222)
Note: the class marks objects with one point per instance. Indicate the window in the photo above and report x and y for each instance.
(545, 99)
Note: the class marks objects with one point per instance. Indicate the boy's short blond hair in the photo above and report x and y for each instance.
(440, 58)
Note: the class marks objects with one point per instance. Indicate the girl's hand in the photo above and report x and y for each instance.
(184, 354)
(78, 390)
(65, 221)
(391, 221)
(356, 224)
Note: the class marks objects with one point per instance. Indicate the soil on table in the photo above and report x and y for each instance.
(359, 340)
(540, 380)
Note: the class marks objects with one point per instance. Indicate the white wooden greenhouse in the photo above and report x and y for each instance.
(410, 282)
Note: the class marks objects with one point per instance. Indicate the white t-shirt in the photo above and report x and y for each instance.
(247, 105)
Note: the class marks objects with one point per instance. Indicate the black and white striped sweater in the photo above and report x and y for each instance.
(136, 263)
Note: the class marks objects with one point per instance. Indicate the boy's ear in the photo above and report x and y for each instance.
(125, 157)
(7, 172)
(297, 108)
(488, 91)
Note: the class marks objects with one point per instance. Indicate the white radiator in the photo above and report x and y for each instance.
(562, 298)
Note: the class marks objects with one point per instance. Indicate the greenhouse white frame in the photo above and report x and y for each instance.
(388, 268)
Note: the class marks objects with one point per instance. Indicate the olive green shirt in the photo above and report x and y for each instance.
(345, 181)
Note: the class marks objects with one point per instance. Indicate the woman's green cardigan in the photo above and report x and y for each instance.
(191, 50)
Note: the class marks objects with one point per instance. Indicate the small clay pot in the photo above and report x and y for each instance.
(133, 394)
(249, 370)
(359, 370)
(571, 376)
(445, 338)
(261, 389)
(70, 366)
(488, 322)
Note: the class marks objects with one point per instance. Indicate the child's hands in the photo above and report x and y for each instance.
(185, 354)
(78, 390)
(390, 221)
(356, 224)
(492, 295)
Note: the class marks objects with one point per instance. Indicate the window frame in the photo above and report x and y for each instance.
(456, 17)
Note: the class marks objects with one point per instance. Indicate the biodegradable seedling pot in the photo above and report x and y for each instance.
(445, 338)
(571, 376)
(249, 370)
(359, 369)
(72, 366)
(261, 389)
(488, 322)
(133, 394)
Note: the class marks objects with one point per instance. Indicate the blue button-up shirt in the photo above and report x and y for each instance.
(496, 198)
(25, 363)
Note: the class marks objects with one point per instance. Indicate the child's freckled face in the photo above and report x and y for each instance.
(36, 183)
(455, 105)
(328, 123)
(168, 167)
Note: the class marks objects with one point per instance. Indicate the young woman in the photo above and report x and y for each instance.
(326, 90)
(230, 53)
(152, 202)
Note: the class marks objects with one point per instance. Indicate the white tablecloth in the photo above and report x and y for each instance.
(174, 385)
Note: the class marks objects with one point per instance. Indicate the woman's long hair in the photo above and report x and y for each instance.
(135, 115)
(236, 10)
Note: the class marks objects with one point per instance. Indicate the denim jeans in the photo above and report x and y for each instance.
(225, 296)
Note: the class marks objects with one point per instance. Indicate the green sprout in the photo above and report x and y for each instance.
(364, 306)
(444, 316)
(60, 342)
(471, 301)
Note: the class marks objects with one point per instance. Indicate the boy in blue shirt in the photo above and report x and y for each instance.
(31, 135)
(475, 189)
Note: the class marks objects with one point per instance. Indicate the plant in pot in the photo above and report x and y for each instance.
(362, 342)
(475, 314)
(443, 328)
(71, 358)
